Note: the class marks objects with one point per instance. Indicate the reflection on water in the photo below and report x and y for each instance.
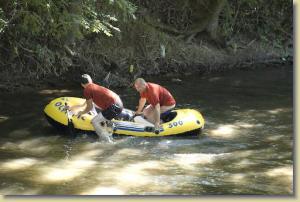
(246, 147)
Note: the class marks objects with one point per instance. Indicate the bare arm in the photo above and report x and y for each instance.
(157, 115)
(75, 107)
(142, 103)
(88, 107)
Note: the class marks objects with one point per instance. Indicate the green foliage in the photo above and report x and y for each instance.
(266, 20)
(40, 32)
(50, 36)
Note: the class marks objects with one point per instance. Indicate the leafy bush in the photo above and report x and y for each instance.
(40, 35)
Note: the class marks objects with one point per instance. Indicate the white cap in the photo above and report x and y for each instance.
(85, 78)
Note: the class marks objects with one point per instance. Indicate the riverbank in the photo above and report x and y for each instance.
(199, 57)
(18, 84)
(43, 46)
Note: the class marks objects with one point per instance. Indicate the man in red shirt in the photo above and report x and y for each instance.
(107, 101)
(160, 101)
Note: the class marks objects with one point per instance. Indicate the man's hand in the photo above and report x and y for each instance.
(67, 107)
(71, 108)
(79, 113)
(137, 113)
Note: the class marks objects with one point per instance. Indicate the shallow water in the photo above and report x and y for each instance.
(245, 148)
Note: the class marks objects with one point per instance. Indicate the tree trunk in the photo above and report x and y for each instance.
(212, 27)
(205, 16)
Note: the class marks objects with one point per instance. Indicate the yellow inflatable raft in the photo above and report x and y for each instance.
(179, 122)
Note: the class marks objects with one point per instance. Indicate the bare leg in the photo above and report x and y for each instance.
(100, 130)
(149, 112)
(166, 108)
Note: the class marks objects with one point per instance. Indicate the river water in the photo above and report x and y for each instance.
(245, 148)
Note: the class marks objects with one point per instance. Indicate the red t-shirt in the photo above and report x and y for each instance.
(101, 96)
(155, 93)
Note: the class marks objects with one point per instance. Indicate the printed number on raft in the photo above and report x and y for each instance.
(175, 124)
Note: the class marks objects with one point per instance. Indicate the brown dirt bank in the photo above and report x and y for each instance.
(211, 59)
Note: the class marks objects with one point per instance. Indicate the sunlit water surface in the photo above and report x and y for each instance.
(246, 147)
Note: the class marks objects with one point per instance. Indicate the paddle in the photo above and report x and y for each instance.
(71, 128)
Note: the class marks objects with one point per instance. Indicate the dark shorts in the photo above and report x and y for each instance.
(111, 112)
(163, 116)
